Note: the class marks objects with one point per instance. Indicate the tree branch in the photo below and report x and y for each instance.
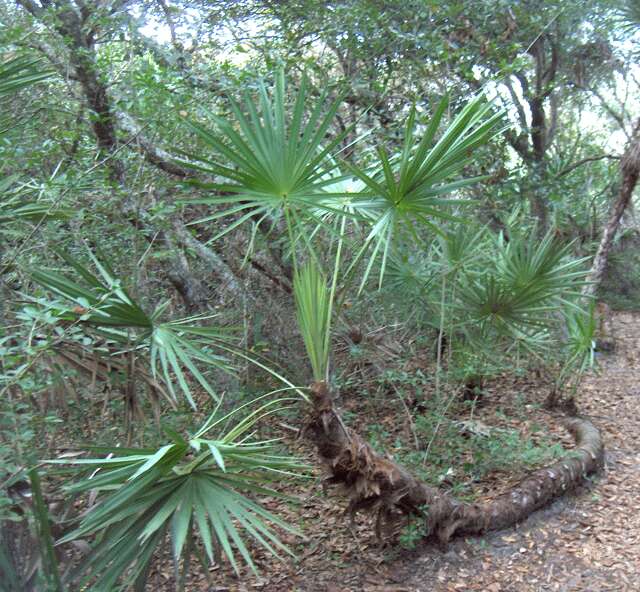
(209, 256)
(550, 73)
(582, 161)
(517, 103)
(618, 117)
(31, 7)
(154, 154)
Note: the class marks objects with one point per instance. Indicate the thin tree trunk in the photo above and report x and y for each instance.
(82, 67)
(630, 170)
(218, 266)
(379, 484)
(190, 288)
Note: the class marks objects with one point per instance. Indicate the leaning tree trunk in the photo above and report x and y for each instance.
(630, 170)
(379, 484)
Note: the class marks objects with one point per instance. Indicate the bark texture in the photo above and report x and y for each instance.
(629, 172)
(381, 485)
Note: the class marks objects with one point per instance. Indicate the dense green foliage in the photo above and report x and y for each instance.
(183, 213)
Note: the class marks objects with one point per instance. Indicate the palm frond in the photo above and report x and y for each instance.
(313, 310)
(103, 304)
(268, 160)
(20, 72)
(147, 495)
(406, 190)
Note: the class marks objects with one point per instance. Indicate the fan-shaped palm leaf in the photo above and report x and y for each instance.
(524, 283)
(146, 495)
(404, 192)
(267, 160)
(103, 304)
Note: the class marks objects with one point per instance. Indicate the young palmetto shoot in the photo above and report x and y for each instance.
(313, 310)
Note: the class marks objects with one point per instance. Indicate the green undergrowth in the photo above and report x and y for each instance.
(620, 287)
(448, 443)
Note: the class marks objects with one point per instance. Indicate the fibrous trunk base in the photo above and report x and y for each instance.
(381, 485)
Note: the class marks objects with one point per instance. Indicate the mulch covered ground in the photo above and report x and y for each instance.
(587, 541)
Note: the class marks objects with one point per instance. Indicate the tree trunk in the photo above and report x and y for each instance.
(83, 68)
(379, 484)
(630, 170)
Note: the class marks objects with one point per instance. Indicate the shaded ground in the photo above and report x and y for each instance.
(587, 541)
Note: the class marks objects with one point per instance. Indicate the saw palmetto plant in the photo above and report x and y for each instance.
(269, 161)
(169, 348)
(528, 284)
(195, 488)
(199, 488)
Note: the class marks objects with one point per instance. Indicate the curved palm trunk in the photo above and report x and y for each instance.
(381, 485)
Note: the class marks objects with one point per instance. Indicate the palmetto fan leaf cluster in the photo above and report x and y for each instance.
(170, 347)
(196, 487)
(267, 161)
(526, 282)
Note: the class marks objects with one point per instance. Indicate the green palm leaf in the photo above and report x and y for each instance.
(174, 348)
(19, 72)
(146, 496)
(268, 161)
(405, 191)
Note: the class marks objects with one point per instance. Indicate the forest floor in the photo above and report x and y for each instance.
(588, 540)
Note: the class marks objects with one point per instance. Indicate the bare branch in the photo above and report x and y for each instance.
(618, 117)
(582, 161)
(210, 257)
(517, 103)
(154, 154)
(553, 123)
